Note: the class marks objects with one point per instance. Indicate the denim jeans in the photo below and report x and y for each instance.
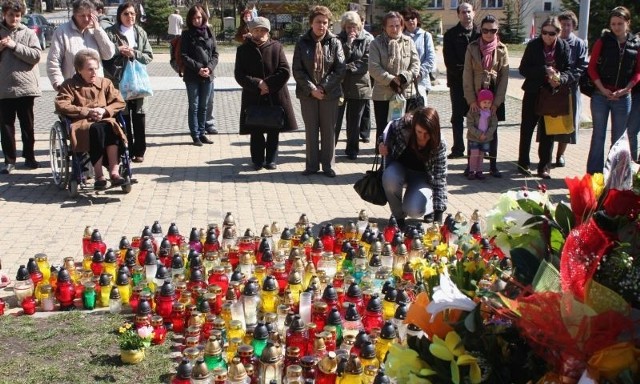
(418, 198)
(198, 95)
(600, 109)
(633, 125)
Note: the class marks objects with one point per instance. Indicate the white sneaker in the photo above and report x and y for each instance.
(8, 168)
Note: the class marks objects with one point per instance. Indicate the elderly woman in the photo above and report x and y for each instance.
(318, 67)
(424, 45)
(91, 102)
(415, 156)
(614, 68)
(263, 71)
(545, 63)
(486, 66)
(82, 31)
(356, 85)
(20, 52)
(394, 64)
(132, 44)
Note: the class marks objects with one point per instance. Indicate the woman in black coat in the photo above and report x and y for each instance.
(545, 63)
(262, 70)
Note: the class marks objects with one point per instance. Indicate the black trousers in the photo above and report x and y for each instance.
(264, 150)
(459, 109)
(9, 109)
(101, 135)
(355, 109)
(365, 120)
(528, 125)
(136, 130)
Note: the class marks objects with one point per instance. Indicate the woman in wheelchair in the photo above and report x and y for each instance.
(91, 103)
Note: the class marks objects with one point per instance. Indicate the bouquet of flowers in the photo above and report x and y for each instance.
(550, 294)
(131, 339)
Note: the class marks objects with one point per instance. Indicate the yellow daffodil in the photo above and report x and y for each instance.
(597, 184)
(442, 250)
(451, 349)
(470, 266)
(122, 330)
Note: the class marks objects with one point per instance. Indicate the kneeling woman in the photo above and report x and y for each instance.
(415, 156)
(91, 102)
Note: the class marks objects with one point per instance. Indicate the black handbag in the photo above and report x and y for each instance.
(369, 187)
(586, 85)
(415, 102)
(264, 118)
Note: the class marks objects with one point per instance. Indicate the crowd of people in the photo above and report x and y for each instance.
(336, 75)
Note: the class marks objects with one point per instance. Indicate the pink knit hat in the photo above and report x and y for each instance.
(485, 94)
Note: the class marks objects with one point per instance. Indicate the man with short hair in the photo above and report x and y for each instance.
(175, 24)
(454, 48)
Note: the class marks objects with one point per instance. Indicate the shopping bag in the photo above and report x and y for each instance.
(369, 187)
(560, 125)
(135, 83)
(397, 106)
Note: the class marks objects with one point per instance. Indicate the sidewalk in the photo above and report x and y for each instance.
(194, 186)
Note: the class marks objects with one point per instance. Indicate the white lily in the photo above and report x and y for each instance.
(448, 296)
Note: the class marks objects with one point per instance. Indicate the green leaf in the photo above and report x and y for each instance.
(531, 207)
(557, 240)
(534, 220)
(564, 217)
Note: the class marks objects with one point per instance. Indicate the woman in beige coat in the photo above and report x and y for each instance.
(486, 66)
(394, 65)
(92, 102)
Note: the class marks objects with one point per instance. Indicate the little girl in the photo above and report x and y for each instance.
(481, 126)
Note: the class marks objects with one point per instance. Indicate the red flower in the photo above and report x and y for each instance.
(621, 203)
(582, 197)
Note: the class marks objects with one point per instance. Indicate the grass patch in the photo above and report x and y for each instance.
(74, 347)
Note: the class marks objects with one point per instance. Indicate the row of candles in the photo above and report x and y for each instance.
(337, 298)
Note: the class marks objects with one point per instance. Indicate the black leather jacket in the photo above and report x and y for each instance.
(303, 66)
(454, 49)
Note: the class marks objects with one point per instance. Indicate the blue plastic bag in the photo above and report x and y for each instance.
(135, 83)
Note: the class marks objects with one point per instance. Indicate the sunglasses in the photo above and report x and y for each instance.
(491, 31)
(549, 33)
(129, 13)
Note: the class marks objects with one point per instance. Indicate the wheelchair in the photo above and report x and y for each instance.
(70, 170)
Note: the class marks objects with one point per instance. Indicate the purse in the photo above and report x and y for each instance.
(559, 125)
(135, 83)
(553, 102)
(586, 85)
(369, 187)
(264, 118)
(415, 102)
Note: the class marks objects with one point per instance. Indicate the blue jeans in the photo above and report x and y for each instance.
(418, 198)
(198, 95)
(633, 125)
(600, 109)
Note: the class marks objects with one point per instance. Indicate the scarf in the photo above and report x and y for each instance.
(395, 55)
(483, 124)
(202, 30)
(550, 54)
(318, 61)
(486, 51)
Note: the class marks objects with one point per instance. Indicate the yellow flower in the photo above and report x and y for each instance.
(442, 250)
(470, 266)
(451, 349)
(122, 330)
(127, 325)
(429, 272)
(597, 184)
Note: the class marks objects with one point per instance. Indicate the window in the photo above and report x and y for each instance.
(454, 4)
(436, 4)
(492, 3)
(547, 6)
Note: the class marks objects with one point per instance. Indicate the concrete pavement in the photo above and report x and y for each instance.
(195, 186)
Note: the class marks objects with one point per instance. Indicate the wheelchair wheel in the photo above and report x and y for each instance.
(73, 188)
(59, 155)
